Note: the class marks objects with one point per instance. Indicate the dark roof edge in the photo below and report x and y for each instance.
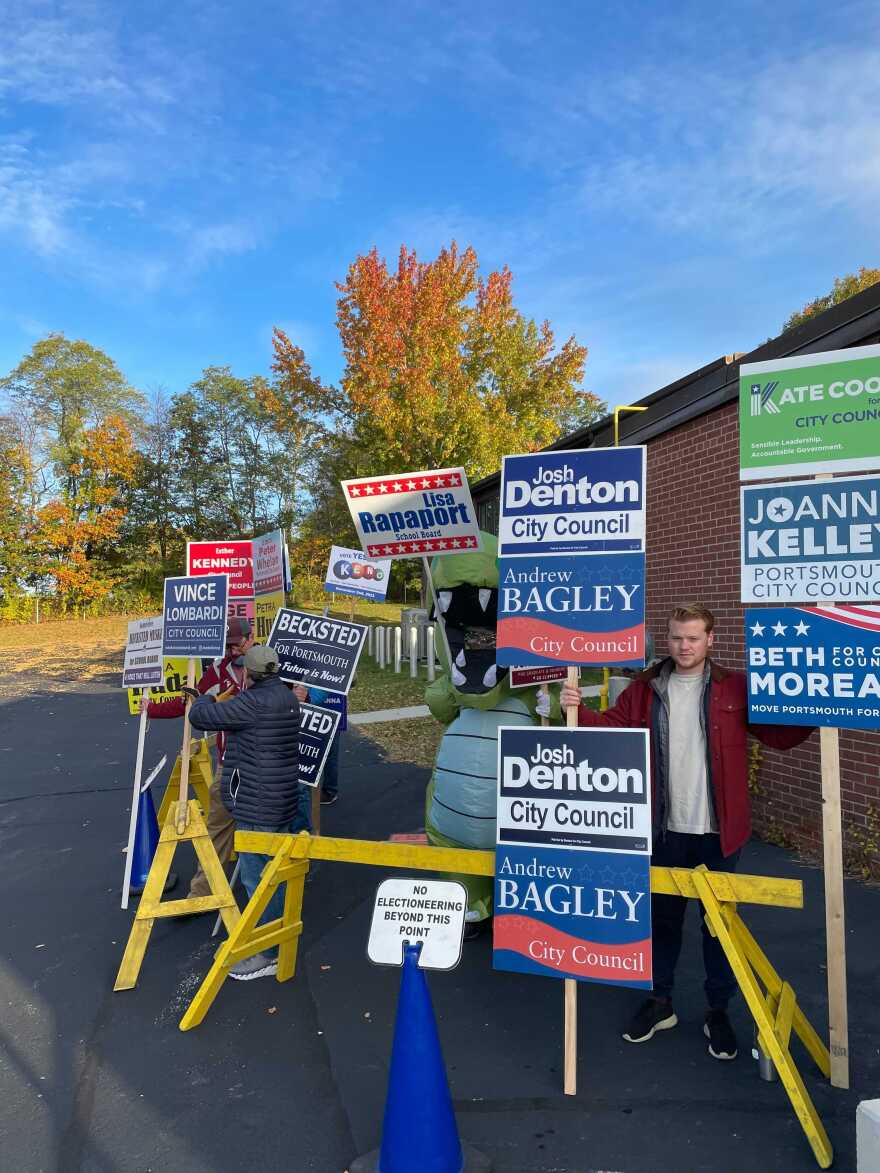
(717, 383)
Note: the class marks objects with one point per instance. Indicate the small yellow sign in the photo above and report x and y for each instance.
(175, 676)
(265, 610)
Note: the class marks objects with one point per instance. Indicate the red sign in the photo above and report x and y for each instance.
(232, 558)
(522, 677)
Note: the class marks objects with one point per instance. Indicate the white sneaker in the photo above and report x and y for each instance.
(254, 967)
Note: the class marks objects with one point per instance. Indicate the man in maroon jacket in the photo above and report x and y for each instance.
(698, 717)
(223, 679)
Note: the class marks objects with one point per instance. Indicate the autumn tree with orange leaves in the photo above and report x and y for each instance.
(441, 369)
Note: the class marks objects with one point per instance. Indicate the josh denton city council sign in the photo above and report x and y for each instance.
(817, 413)
(572, 861)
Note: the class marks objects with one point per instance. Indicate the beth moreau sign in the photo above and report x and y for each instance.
(411, 911)
(572, 861)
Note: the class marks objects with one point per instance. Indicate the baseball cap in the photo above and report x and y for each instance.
(261, 661)
(236, 630)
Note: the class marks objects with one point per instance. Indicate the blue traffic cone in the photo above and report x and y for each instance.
(419, 1130)
(146, 840)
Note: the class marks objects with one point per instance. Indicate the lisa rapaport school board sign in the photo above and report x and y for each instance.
(817, 413)
(572, 863)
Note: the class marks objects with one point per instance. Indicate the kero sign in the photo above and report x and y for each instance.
(412, 514)
(587, 501)
(804, 541)
(814, 666)
(817, 413)
(350, 572)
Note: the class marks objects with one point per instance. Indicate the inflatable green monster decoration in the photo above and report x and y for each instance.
(472, 695)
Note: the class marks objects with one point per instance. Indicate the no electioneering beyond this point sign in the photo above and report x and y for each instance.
(428, 911)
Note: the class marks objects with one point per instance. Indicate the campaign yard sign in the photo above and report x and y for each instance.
(230, 558)
(814, 666)
(266, 607)
(816, 413)
(316, 732)
(268, 556)
(572, 610)
(168, 689)
(350, 572)
(804, 541)
(315, 650)
(143, 653)
(524, 677)
(194, 616)
(586, 501)
(412, 514)
(572, 863)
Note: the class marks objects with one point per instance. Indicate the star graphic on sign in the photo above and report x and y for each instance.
(398, 487)
(369, 489)
(779, 628)
(387, 549)
(411, 485)
(801, 628)
(779, 511)
(354, 491)
(383, 488)
(440, 481)
(757, 629)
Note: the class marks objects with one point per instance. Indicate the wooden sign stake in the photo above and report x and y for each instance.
(571, 995)
(835, 924)
(182, 798)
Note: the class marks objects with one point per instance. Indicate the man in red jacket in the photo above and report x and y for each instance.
(698, 717)
(223, 679)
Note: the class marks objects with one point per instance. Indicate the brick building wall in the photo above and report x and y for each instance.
(693, 555)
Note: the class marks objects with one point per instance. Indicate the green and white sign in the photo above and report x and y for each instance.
(813, 414)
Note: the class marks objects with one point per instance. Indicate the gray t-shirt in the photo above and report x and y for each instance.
(690, 811)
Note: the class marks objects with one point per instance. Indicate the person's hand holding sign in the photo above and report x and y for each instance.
(569, 696)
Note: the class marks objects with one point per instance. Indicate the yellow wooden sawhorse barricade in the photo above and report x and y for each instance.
(770, 1000)
(201, 775)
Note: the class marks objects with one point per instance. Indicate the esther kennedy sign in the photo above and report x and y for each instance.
(315, 650)
(194, 616)
(574, 787)
(580, 502)
(413, 513)
(317, 727)
(230, 558)
(804, 541)
(572, 610)
(814, 666)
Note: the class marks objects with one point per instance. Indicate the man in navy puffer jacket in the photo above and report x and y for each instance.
(260, 783)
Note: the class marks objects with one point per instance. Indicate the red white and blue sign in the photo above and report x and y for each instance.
(814, 666)
(584, 501)
(572, 861)
(413, 514)
(194, 616)
(351, 572)
(230, 558)
(572, 610)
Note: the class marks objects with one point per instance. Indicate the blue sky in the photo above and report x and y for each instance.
(667, 182)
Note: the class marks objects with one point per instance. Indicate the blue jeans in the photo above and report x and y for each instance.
(330, 776)
(251, 864)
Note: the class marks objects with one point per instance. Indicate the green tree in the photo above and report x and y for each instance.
(17, 563)
(843, 288)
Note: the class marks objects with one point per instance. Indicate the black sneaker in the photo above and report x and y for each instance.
(650, 1017)
(719, 1032)
(328, 799)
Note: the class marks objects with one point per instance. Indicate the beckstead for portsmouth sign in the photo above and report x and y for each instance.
(314, 650)
(814, 414)
(814, 666)
(230, 558)
(569, 911)
(316, 731)
(586, 501)
(413, 513)
(804, 541)
(350, 572)
(572, 610)
(194, 616)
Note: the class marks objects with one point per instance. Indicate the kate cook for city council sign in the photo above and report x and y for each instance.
(817, 413)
